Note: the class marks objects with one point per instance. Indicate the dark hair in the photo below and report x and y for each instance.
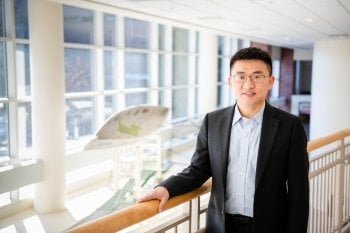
(252, 53)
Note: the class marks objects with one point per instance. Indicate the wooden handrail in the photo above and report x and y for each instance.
(138, 212)
(320, 142)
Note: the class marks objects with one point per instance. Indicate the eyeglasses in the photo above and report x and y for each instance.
(255, 78)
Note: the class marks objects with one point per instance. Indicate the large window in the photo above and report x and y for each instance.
(136, 62)
(15, 89)
(15, 83)
(111, 62)
(131, 62)
(184, 73)
(80, 71)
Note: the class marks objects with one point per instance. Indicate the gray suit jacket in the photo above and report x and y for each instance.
(281, 200)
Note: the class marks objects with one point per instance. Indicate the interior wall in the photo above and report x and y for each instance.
(330, 111)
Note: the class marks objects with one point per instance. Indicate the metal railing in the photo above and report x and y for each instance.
(329, 183)
(329, 198)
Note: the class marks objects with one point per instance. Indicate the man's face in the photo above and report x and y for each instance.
(250, 94)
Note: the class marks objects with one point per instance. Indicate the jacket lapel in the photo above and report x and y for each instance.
(268, 133)
(224, 133)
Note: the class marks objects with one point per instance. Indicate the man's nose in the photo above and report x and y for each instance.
(248, 83)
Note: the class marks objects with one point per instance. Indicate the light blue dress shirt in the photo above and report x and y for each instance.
(242, 160)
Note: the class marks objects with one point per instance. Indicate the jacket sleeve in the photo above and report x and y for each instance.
(298, 181)
(197, 172)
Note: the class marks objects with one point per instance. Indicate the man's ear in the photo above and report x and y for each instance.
(271, 81)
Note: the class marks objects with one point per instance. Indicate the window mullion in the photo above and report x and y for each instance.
(99, 68)
(153, 64)
(13, 100)
(12, 91)
(120, 63)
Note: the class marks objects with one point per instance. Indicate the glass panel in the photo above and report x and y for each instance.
(136, 99)
(78, 25)
(80, 114)
(5, 199)
(3, 70)
(78, 70)
(4, 126)
(23, 70)
(137, 34)
(110, 65)
(24, 129)
(180, 70)
(161, 37)
(221, 45)
(110, 105)
(219, 96)
(221, 69)
(179, 107)
(180, 40)
(2, 18)
(196, 81)
(21, 19)
(27, 191)
(136, 70)
(161, 99)
(161, 70)
(109, 28)
(240, 44)
(196, 100)
(197, 42)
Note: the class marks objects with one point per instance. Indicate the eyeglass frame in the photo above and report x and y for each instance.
(250, 76)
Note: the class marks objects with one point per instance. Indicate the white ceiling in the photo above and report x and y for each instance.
(288, 23)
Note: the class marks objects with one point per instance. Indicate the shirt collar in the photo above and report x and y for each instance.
(257, 117)
(236, 116)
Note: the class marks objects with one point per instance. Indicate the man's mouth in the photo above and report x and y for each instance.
(249, 93)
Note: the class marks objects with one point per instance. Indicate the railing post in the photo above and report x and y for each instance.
(138, 163)
(339, 195)
(194, 217)
(159, 156)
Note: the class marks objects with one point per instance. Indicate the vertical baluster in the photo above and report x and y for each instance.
(328, 200)
(323, 201)
(318, 204)
(313, 205)
(333, 193)
(325, 187)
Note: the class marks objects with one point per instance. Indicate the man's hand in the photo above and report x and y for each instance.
(159, 193)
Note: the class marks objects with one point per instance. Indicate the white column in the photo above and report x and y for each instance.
(46, 51)
(330, 99)
(208, 60)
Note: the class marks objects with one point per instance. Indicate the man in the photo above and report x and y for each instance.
(256, 155)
